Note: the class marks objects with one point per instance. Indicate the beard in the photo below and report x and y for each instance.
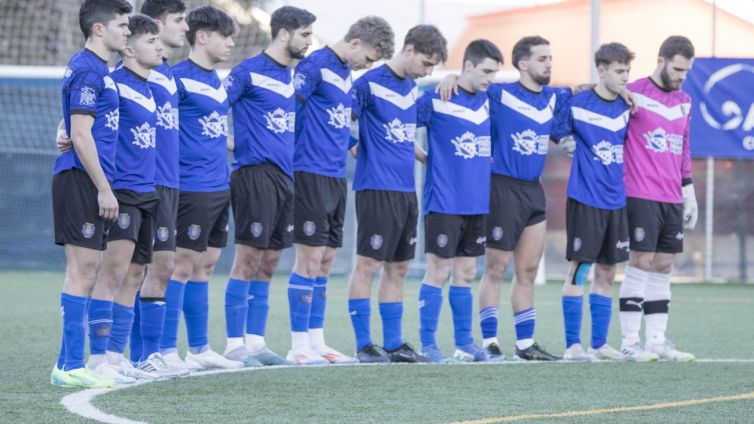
(667, 82)
(297, 53)
(541, 79)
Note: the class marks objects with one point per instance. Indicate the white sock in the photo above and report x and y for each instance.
(233, 343)
(631, 298)
(113, 358)
(488, 341)
(254, 343)
(300, 340)
(524, 343)
(317, 338)
(95, 361)
(656, 306)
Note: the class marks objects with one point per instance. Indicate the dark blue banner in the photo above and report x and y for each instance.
(722, 115)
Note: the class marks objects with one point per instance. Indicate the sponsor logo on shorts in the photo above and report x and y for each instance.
(87, 230)
(256, 229)
(442, 240)
(375, 241)
(227, 227)
(576, 244)
(163, 233)
(289, 228)
(679, 236)
(309, 228)
(194, 231)
(412, 241)
(639, 234)
(634, 303)
(481, 240)
(124, 220)
(497, 233)
(622, 244)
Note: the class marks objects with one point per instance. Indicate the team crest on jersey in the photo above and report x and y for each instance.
(622, 244)
(227, 82)
(87, 230)
(497, 233)
(529, 142)
(469, 146)
(442, 240)
(639, 234)
(194, 231)
(87, 97)
(256, 229)
(340, 116)
(124, 220)
(214, 125)
(576, 244)
(298, 81)
(608, 153)
(659, 141)
(375, 241)
(280, 121)
(309, 228)
(145, 136)
(167, 116)
(398, 132)
(163, 234)
(113, 118)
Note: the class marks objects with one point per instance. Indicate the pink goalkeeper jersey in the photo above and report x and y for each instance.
(657, 157)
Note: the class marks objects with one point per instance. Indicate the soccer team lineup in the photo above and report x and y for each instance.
(143, 191)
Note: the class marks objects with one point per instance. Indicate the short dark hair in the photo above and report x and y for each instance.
(211, 19)
(522, 49)
(676, 44)
(100, 12)
(479, 50)
(376, 32)
(613, 52)
(159, 9)
(290, 18)
(428, 40)
(140, 24)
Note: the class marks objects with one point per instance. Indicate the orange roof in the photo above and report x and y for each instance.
(641, 25)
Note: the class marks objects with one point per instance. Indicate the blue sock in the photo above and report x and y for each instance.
(488, 321)
(135, 346)
(430, 304)
(196, 313)
(259, 307)
(100, 320)
(173, 306)
(73, 309)
(299, 301)
(360, 311)
(572, 310)
(236, 307)
(319, 301)
(461, 304)
(600, 307)
(152, 324)
(123, 320)
(524, 322)
(392, 315)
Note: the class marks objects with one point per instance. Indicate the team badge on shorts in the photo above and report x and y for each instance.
(162, 233)
(576, 244)
(87, 230)
(375, 241)
(442, 240)
(256, 229)
(124, 220)
(309, 228)
(639, 234)
(679, 236)
(497, 233)
(194, 231)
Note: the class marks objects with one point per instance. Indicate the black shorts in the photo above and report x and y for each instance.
(596, 235)
(655, 226)
(202, 219)
(514, 205)
(136, 212)
(319, 209)
(386, 224)
(448, 236)
(262, 197)
(165, 219)
(75, 211)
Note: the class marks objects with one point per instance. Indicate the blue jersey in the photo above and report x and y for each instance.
(261, 93)
(88, 89)
(599, 128)
(166, 97)
(203, 111)
(385, 105)
(458, 165)
(323, 87)
(521, 124)
(135, 164)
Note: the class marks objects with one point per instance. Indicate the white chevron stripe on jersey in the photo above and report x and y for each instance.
(163, 81)
(539, 116)
(263, 81)
(129, 93)
(198, 87)
(592, 118)
(109, 83)
(474, 116)
(669, 113)
(331, 77)
(398, 100)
